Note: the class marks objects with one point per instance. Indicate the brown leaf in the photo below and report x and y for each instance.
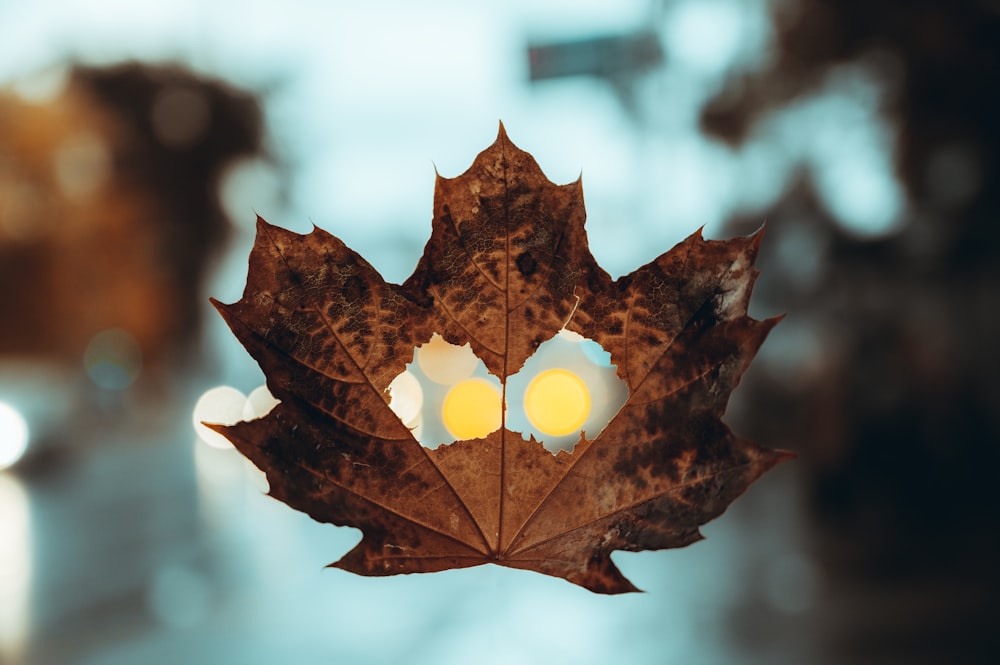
(506, 266)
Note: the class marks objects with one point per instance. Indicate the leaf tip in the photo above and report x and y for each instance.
(767, 459)
(753, 242)
(614, 587)
(220, 428)
(783, 456)
(225, 310)
(262, 224)
(767, 325)
(504, 142)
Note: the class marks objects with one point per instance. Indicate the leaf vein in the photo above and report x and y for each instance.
(389, 509)
(630, 506)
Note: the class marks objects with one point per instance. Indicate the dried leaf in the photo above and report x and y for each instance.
(506, 266)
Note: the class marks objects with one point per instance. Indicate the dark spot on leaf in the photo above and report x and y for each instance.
(526, 264)
(595, 282)
(446, 218)
(355, 289)
(706, 316)
(657, 458)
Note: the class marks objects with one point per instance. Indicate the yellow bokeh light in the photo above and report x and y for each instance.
(557, 402)
(471, 409)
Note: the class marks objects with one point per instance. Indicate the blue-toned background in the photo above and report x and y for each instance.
(139, 140)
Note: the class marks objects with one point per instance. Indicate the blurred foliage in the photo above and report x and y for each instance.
(109, 212)
(884, 376)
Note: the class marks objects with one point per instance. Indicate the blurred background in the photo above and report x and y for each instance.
(138, 140)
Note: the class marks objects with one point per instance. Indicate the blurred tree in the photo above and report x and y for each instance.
(885, 375)
(109, 212)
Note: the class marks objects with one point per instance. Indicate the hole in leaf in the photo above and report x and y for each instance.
(567, 386)
(446, 394)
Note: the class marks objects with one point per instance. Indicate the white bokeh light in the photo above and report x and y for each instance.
(406, 397)
(446, 363)
(15, 568)
(221, 405)
(259, 403)
(13, 435)
(113, 359)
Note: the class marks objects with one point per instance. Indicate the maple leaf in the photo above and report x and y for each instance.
(506, 267)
